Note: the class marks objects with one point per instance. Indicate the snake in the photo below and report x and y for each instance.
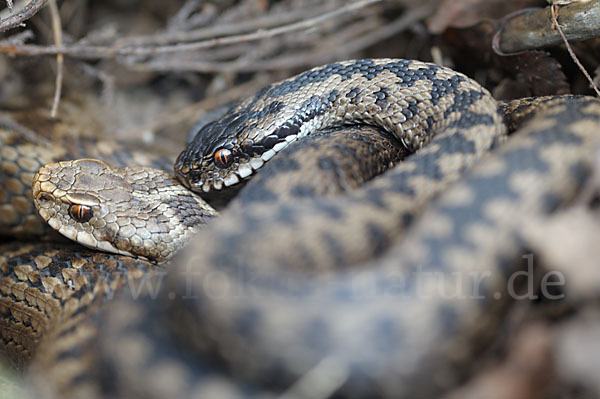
(368, 293)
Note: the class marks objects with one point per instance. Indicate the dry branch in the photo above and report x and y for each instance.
(340, 44)
(57, 32)
(98, 52)
(532, 29)
(557, 26)
(27, 12)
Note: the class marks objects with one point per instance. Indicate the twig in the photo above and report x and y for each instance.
(311, 57)
(95, 52)
(223, 29)
(410, 17)
(183, 15)
(27, 12)
(555, 24)
(533, 29)
(365, 40)
(57, 32)
(107, 80)
(7, 122)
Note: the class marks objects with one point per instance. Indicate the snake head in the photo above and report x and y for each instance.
(133, 211)
(216, 159)
(229, 150)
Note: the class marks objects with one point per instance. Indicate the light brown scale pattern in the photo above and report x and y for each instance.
(45, 289)
(23, 151)
(135, 211)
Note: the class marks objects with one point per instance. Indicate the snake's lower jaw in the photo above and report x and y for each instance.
(215, 184)
(207, 178)
(211, 185)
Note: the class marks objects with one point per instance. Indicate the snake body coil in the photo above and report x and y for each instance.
(409, 99)
(418, 309)
(428, 286)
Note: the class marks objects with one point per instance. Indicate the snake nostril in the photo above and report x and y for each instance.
(45, 198)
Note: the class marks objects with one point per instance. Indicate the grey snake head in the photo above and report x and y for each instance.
(215, 158)
(405, 98)
(228, 151)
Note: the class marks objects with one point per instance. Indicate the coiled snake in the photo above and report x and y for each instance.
(427, 288)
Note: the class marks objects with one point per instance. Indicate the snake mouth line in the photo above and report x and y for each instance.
(80, 236)
(88, 240)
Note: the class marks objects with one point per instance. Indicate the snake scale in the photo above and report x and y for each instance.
(368, 293)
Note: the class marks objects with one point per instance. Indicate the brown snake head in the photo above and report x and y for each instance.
(135, 211)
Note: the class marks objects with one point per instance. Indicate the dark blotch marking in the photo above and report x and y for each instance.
(247, 323)
(352, 93)
(303, 191)
(269, 141)
(291, 128)
(330, 210)
(407, 219)
(379, 239)
(462, 102)
(382, 96)
(258, 193)
(448, 317)
(580, 172)
(287, 215)
(334, 250)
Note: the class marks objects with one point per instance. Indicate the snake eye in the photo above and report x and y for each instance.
(223, 158)
(81, 213)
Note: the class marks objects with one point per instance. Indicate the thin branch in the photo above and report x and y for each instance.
(532, 29)
(570, 50)
(58, 41)
(7, 122)
(311, 57)
(27, 12)
(95, 52)
(223, 29)
(107, 80)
